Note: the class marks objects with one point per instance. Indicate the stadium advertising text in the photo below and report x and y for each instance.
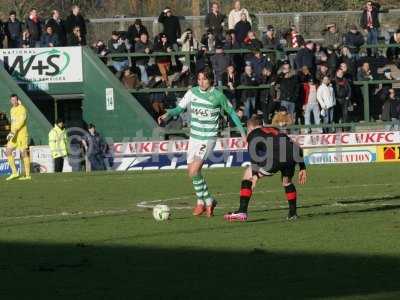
(340, 155)
(43, 65)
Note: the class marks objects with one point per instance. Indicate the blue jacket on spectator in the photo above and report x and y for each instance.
(258, 63)
(48, 39)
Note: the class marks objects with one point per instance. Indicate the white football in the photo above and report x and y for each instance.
(161, 212)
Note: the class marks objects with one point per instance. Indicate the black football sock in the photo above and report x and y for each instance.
(291, 196)
(245, 195)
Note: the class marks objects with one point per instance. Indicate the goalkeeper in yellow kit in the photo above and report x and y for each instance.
(18, 138)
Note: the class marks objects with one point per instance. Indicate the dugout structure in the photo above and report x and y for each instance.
(74, 84)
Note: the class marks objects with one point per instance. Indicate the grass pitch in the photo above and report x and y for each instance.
(92, 236)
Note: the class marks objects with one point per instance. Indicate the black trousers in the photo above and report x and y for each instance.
(58, 164)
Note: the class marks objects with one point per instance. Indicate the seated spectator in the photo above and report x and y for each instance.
(26, 41)
(282, 118)
(270, 40)
(220, 62)
(332, 38)
(251, 43)
(34, 25)
(135, 31)
(327, 101)
(249, 95)
(236, 15)
(214, 21)
(231, 80)
(13, 31)
(354, 40)
(305, 57)
(258, 62)
(393, 53)
(189, 43)
(75, 19)
(391, 111)
(49, 39)
(242, 28)
(130, 80)
(58, 26)
(310, 103)
(208, 40)
(76, 39)
(143, 46)
(101, 49)
(163, 62)
(364, 72)
(117, 45)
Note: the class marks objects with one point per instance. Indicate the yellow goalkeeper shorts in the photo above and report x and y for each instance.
(19, 142)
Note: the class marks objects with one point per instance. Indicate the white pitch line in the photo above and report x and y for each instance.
(151, 203)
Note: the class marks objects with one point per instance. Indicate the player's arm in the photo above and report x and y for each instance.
(181, 107)
(302, 165)
(227, 107)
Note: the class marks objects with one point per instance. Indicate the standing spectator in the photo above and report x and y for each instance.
(189, 43)
(293, 38)
(342, 90)
(215, 21)
(13, 30)
(364, 72)
(135, 31)
(76, 38)
(289, 88)
(208, 40)
(391, 111)
(49, 39)
(310, 103)
(320, 53)
(354, 40)
(171, 26)
(220, 62)
(258, 62)
(236, 15)
(34, 26)
(26, 41)
(332, 37)
(249, 96)
(305, 57)
(101, 50)
(116, 45)
(327, 101)
(370, 23)
(268, 100)
(350, 62)
(163, 62)
(270, 40)
(231, 43)
(95, 148)
(58, 143)
(143, 46)
(75, 19)
(58, 26)
(231, 80)
(252, 43)
(304, 75)
(332, 61)
(393, 53)
(2, 33)
(242, 28)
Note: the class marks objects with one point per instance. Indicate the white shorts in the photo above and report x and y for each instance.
(199, 150)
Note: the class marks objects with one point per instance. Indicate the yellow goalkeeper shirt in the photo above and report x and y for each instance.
(19, 120)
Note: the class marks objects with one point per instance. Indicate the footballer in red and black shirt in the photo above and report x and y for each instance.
(270, 151)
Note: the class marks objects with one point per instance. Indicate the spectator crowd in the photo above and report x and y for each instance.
(313, 83)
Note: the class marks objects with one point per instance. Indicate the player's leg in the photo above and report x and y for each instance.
(22, 146)
(290, 190)
(197, 154)
(248, 184)
(11, 161)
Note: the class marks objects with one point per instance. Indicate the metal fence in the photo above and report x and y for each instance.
(310, 24)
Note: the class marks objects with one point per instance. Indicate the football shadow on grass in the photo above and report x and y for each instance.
(40, 271)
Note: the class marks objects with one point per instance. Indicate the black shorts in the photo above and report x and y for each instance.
(287, 169)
